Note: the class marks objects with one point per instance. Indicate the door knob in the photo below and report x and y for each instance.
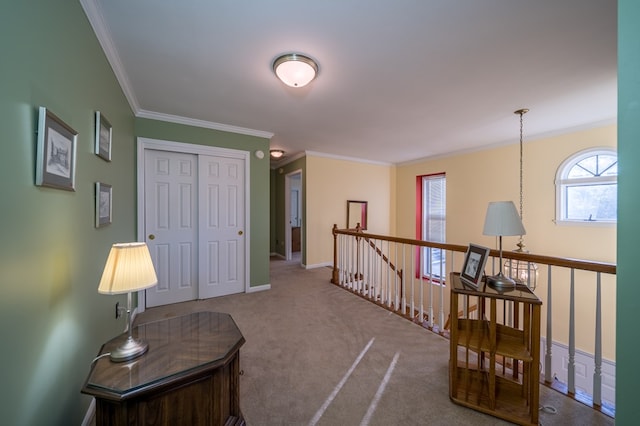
(152, 237)
(240, 232)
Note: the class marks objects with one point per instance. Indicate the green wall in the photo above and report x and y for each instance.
(628, 287)
(52, 319)
(259, 176)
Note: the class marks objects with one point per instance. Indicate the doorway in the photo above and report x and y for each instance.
(192, 215)
(293, 235)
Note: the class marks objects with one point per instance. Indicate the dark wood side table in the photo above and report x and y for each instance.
(189, 376)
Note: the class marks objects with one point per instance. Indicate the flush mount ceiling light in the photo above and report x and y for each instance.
(295, 70)
(276, 153)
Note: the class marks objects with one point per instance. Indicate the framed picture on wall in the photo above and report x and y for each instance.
(356, 214)
(56, 152)
(473, 266)
(103, 204)
(103, 137)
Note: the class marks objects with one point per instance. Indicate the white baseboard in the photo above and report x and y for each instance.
(257, 288)
(318, 265)
(584, 369)
(91, 412)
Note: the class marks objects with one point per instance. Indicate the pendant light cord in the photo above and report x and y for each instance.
(521, 112)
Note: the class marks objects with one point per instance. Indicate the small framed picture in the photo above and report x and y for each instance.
(103, 137)
(56, 152)
(103, 204)
(473, 266)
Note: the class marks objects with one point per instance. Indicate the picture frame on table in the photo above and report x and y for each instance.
(55, 152)
(103, 136)
(103, 204)
(475, 260)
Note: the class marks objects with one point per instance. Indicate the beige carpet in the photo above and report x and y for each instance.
(316, 354)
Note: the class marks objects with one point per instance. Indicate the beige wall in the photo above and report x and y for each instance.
(474, 179)
(330, 183)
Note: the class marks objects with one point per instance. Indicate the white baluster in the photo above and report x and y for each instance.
(369, 270)
(388, 282)
(342, 257)
(413, 281)
(403, 283)
(421, 256)
(547, 357)
(597, 372)
(571, 367)
(430, 281)
(396, 296)
(441, 319)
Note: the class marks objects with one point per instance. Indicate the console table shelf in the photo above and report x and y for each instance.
(494, 358)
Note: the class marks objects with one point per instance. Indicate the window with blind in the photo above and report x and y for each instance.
(431, 206)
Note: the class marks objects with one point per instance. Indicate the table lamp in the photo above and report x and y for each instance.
(502, 219)
(129, 268)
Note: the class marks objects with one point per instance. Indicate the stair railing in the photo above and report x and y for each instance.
(408, 277)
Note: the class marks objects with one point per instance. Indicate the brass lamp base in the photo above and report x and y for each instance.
(129, 350)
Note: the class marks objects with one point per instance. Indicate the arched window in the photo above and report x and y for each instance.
(587, 187)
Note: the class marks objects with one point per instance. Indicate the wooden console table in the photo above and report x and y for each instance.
(493, 365)
(189, 376)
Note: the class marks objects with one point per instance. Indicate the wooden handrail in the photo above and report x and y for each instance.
(359, 234)
(423, 300)
(585, 265)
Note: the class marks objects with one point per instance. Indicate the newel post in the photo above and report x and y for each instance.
(334, 275)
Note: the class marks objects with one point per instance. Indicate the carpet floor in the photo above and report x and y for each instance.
(317, 355)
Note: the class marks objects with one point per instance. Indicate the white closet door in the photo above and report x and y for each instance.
(221, 226)
(171, 222)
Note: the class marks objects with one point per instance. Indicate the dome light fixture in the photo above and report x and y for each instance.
(276, 153)
(295, 70)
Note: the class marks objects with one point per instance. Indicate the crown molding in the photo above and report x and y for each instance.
(96, 20)
(530, 138)
(345, 158)
(202, 123)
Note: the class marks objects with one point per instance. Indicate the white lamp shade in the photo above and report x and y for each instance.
(503, 219)
(128, 268)
(295, 70)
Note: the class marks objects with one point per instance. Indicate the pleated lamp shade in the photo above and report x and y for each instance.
(129, 268)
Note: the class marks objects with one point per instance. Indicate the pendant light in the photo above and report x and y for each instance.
(520, 270)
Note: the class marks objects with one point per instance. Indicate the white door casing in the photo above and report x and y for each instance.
(294, 214)
(287, 206)
(231, 273)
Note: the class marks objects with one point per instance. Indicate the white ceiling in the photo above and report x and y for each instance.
(399, 80)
